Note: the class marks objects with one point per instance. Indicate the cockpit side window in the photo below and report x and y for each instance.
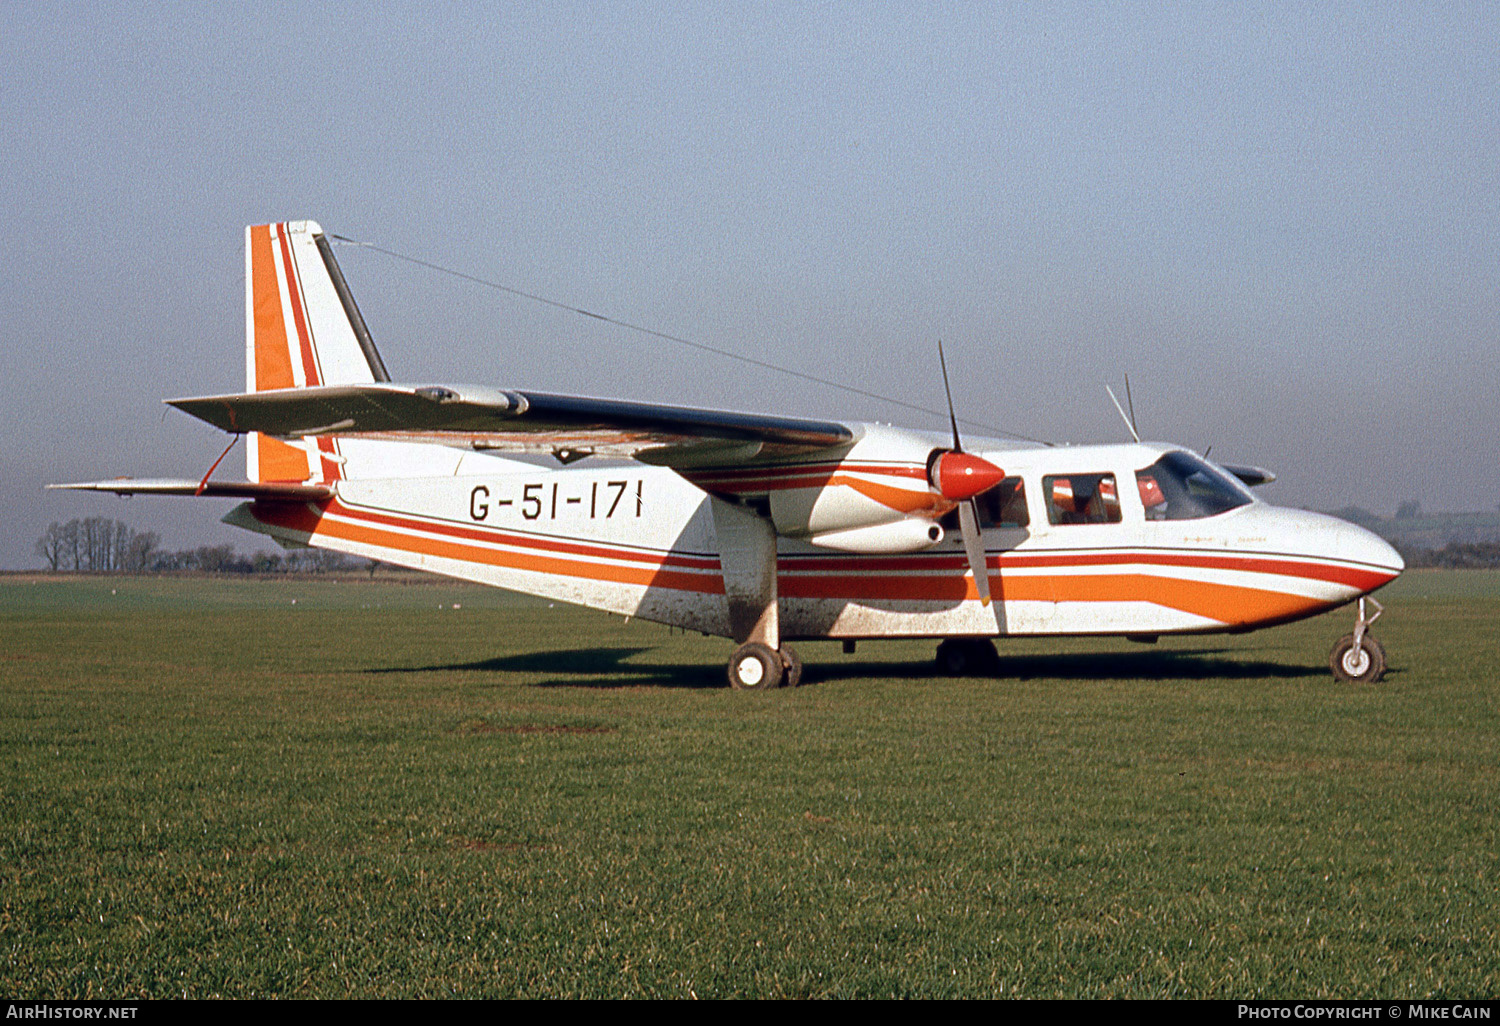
(1082, 499)
(1002, 506)
(1180, 486)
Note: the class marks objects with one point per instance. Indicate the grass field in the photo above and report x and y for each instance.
(302, 788)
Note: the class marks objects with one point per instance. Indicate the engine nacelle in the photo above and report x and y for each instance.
(844, 501)
(882, 481)
(910, 534)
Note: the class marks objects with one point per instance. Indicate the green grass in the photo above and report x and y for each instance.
(210, 790)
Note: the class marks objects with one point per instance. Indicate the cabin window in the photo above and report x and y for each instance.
(1180, 486)
(1082, 499)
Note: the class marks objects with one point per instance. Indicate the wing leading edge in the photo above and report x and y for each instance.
(476, 417)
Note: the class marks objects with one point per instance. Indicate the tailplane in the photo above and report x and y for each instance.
(302, 328)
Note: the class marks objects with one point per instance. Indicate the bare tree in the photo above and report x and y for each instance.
(120, 550)
(52, 546)
(97, 536)
(71, 543)
(140, 550)
(102, 545)
(215, 558)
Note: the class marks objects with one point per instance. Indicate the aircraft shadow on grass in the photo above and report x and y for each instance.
(583, 667)
(612, 668)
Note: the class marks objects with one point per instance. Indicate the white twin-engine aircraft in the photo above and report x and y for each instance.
(758, 528)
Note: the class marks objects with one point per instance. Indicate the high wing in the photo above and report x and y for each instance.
(477, 417)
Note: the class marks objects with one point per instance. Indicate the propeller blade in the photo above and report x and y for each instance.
(956, 474)
(959, 476)
(952, 417)
(968, 520)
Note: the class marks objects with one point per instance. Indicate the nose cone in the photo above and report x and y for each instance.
(1369, 562)
(1361, 546)
(1377, 562)
(960, 475)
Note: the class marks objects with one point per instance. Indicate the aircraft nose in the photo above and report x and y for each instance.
(1319, 534)
(1362, 546)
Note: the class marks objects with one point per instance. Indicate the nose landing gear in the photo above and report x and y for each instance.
(1358, 658)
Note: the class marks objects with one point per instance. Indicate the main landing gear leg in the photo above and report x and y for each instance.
(747, 554)
(1358, 658)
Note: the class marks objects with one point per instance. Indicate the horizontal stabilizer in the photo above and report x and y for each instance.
(177, 486)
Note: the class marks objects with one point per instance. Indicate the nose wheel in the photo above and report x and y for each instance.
(1358, 658)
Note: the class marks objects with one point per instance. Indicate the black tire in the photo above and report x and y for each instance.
(1363, 666)
(755, 667)
(791, 665)
(966, 657)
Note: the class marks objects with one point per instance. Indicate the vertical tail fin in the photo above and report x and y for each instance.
(302, 328)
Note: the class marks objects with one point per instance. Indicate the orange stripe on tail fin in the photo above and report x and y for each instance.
(302, 328)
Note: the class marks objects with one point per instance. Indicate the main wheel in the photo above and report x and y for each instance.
(755, 667)
(1362, 665)
(791, 663)
(966, 657)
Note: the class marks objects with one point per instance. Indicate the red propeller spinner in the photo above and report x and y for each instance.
(960, 475)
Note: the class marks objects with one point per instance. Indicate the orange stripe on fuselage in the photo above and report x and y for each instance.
(498, 536)
(1358, 578)
(1230, 604)
(363, 530)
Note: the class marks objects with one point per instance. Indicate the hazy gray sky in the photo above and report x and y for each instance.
(1280, 220)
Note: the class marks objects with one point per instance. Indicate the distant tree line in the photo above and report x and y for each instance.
(96, 544)
(1457, 540)
(1457, 556)
(101, 545)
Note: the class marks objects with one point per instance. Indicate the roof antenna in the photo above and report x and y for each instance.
(1130, 420)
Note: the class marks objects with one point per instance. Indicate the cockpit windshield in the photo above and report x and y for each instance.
(1180, 486)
